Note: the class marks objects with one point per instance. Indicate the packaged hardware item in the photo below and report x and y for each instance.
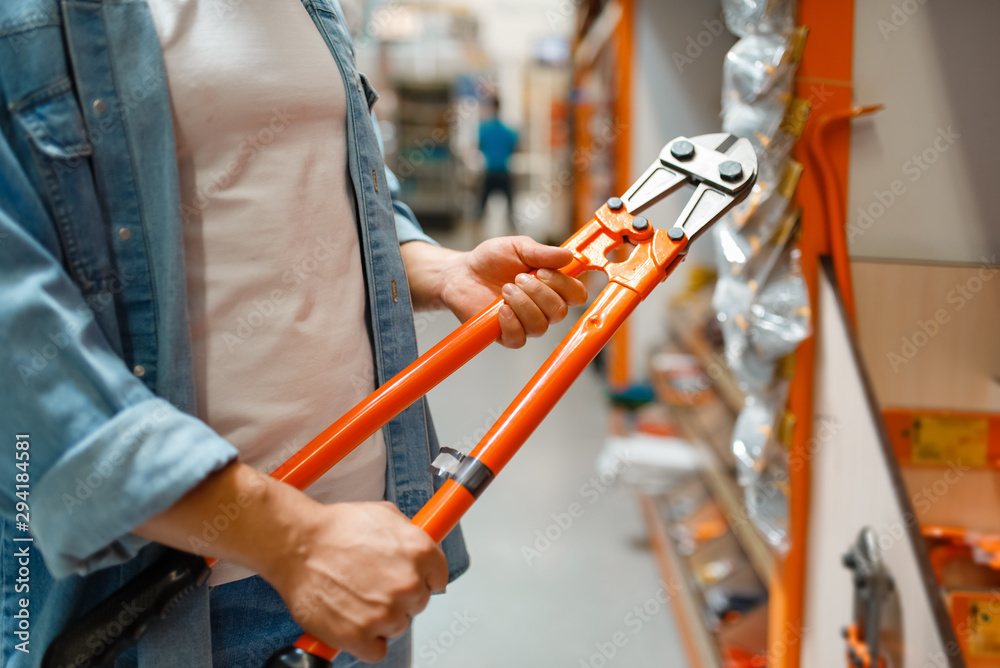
(780, 317)
(747, 259)
(652, 464)
(766, 497)
(754, 427)
(772, 126)
(760, 66)
(762, 16)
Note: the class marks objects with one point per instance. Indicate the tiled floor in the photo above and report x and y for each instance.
(571, 598)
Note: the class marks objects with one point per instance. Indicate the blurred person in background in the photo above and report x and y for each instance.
(203, 263)
(497, 142)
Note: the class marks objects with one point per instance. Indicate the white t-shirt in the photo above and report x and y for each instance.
(276, 291)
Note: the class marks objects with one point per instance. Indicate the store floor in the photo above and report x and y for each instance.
(546, 588)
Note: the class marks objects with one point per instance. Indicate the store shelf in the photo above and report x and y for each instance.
(724, 488)
(699, 642)
(685, 333)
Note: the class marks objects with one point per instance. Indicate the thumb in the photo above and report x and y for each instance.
(538, 255)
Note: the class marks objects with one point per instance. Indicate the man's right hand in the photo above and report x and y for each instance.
(357, 573)
(352, 574)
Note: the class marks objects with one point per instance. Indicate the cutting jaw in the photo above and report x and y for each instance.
(722, 168)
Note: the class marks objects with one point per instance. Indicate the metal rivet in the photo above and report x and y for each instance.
(639, 223)
(99, 106)
(675, 233)
(139, 370)
(124, 234)
(731, 170)
(682, 150)
(615, 204)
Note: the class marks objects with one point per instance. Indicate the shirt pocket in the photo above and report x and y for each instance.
(53, 125)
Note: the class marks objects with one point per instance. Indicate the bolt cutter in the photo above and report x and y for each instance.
(872, 585)
(722, 170)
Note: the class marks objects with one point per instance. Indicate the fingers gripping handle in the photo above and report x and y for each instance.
(339, 439)
(440, 515)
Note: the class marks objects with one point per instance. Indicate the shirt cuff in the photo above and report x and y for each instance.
(135, 466)
(407, 230)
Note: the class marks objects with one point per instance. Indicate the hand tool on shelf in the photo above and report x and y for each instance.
(722, 170)
(872, 584)
(947, 542)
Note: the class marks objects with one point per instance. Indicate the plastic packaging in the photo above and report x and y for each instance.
(754, 427)
(762, 16)
(780, 316)
(747, 256)
(757, 98)
(766, 498)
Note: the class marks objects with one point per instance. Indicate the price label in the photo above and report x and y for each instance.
(941, 441)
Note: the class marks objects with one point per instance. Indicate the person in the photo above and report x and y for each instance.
(497, 143)
(203, 263)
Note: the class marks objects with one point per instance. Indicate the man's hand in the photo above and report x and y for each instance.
(352, 574)
(468, 282)
(358, 574)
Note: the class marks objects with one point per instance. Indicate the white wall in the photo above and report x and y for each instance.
(933, 64)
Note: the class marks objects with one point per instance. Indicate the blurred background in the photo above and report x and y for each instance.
(438, 68)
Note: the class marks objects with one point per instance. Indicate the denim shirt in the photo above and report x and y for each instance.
(94, 337)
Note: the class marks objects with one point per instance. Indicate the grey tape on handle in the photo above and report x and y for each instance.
(473, 475)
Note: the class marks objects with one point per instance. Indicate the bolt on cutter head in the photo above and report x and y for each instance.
(722, 167)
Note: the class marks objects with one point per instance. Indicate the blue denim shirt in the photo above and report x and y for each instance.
(94, 340)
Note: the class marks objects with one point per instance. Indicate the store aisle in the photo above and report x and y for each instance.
(543, 601)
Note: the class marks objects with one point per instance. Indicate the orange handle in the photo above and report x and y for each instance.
(590, 334)
(339, 439)
(444, 510)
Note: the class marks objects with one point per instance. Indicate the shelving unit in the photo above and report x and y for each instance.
(847, 475)
(424, 160)
(941, 411)
(688, 609)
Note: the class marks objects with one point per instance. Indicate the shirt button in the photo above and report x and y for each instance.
(139, 370)
(124, 234)
(99, 106)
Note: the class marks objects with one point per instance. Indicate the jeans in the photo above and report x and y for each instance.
(250, 622)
